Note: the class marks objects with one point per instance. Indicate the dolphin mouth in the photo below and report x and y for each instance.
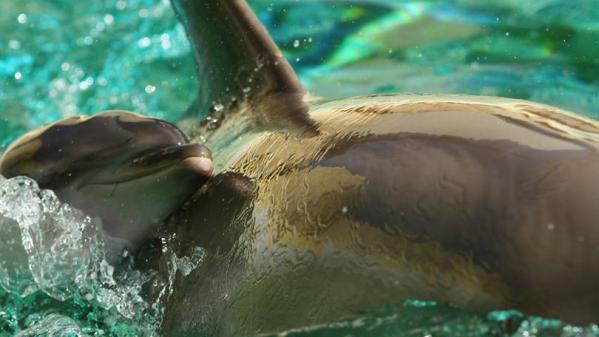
(171, 154)
(194, 157)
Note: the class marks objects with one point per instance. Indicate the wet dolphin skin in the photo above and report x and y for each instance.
(131, 171)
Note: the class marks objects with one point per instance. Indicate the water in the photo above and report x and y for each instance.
(53, 274)
(59, 58)
(418, 319)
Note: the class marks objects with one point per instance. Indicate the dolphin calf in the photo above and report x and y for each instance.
(129, 170)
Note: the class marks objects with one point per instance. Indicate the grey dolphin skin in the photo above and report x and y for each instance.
(131, 171)
(238, 62)
(480, 202)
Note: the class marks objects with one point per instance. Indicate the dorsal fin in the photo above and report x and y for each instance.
(239, 64)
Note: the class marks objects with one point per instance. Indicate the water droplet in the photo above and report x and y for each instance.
(14, 44)
(165, 41)
(121, 4)
(85, 84)
(22, 18)
(187, 264)
(296, 43)
(144, 42)
(150, 89)
(144, 13)
(218, 107)
(100, 26)
(108, 19)
(212, 123)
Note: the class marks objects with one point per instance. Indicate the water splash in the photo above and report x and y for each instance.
(53, 326)
(187, 264)
(61, 244)
(52, 260)
(54, 277)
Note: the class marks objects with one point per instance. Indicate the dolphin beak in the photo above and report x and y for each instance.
(202, 166)
(199, 159)
(196, 157)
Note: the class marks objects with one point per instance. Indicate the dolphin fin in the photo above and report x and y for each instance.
(238, 64)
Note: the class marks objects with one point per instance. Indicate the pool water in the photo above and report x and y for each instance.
(59, 58)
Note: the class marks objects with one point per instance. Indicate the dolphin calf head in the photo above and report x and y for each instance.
(129, 170)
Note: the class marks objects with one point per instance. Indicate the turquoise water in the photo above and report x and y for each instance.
(59, 58)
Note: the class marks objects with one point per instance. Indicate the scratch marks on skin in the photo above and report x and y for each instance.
(561, 116)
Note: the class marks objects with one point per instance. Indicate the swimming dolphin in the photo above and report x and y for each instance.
(321, 210)
(325, 209)
(130, 171)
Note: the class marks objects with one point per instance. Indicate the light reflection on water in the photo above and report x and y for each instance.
(61, 58)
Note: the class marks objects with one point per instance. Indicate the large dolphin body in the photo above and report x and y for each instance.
(321, 210)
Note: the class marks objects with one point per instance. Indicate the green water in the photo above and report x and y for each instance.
(59, 58)
(417, 319)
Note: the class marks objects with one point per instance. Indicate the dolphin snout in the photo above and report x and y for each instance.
(199, 159)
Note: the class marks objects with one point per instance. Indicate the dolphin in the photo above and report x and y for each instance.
(318, 210)
(128, 170)
(323, 209)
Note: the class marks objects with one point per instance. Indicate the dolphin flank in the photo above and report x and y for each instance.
(480, 202)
